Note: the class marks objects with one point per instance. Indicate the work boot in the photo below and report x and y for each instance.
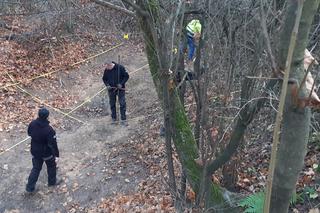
(113, 121)
(58, 182)
(29, 191)
(124, 123)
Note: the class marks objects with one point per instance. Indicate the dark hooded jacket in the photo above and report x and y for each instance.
(117, 75)
(43, 139)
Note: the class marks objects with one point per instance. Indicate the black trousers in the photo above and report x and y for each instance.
(113, 93)
(37, 166)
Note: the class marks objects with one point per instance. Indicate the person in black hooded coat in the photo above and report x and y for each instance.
(44, 148)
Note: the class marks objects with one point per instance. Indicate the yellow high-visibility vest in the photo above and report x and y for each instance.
(194, 26)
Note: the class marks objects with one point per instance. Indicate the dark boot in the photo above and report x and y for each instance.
(124, 123)
(58, 182)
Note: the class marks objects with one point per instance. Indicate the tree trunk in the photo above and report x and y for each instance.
(168, 134)
(230, 174)
(296, 121)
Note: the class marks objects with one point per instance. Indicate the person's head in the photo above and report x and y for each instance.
(43, 113)
(109, 65)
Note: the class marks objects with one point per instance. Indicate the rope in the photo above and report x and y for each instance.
(24, 140)
(86, 101)
(138, 69)
(49, 73)
(65, 114)
(118, 45)
(42, 102)
(8, 149)
(48, 105)
(100, 91)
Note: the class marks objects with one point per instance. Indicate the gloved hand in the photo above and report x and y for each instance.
(119, 86)
(109, 87)
(57, 162)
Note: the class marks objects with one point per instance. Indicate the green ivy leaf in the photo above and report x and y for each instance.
(313, 195)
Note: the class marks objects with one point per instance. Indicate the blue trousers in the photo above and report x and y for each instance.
(113, 93)
(37, 166)
(191, 47)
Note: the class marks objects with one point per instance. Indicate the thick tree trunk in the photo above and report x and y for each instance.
(290, 158)
(295, 127)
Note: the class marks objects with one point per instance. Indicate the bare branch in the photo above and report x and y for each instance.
(136, 8)
(115, 7)
(267, 39)
(173, 20)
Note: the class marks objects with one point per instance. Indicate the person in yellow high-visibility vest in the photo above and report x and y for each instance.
(193, 32)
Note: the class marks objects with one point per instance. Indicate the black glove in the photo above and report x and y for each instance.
(119, 86)
(109, 87)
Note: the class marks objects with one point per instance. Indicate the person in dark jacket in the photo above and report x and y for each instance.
(44, 148)
(115, 77)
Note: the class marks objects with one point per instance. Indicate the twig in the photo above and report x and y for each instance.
(266, 78)
(115, 7)
(136, 8)
(272, 104)
(182, 80)
(267, 39)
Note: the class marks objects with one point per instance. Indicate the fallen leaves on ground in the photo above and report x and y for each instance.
(136, 203)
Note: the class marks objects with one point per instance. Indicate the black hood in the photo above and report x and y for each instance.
(42, 122)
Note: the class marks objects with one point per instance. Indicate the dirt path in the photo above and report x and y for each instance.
(95, 161)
